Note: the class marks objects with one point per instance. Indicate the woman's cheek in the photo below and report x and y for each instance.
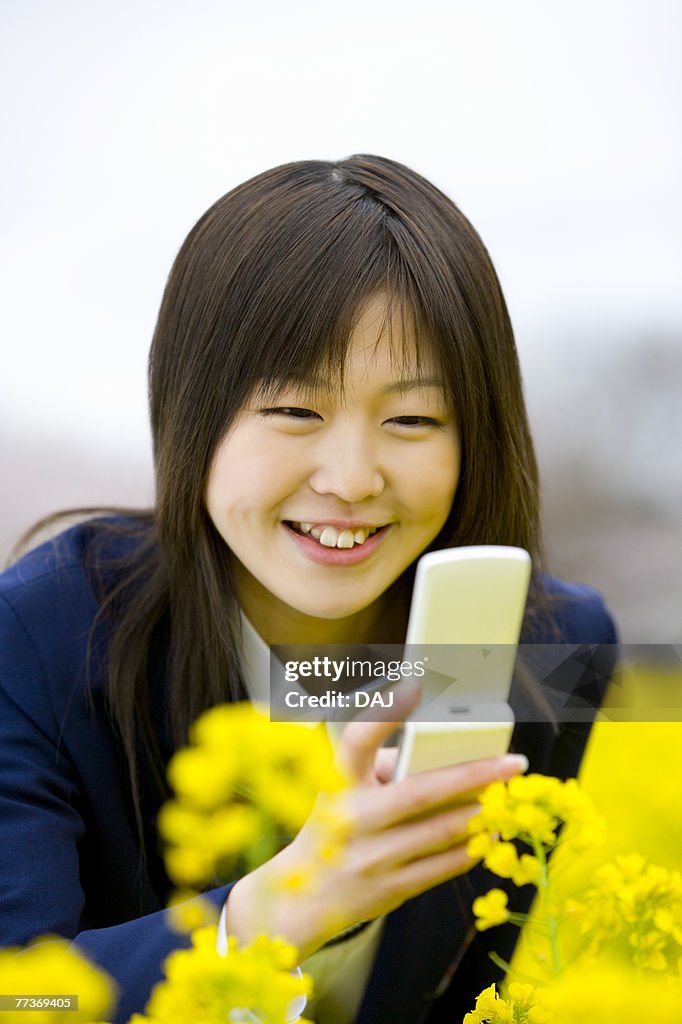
(436, 474)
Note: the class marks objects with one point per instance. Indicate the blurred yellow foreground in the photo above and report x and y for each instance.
(633, 772)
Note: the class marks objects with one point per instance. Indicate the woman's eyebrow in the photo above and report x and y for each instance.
(413, 384)
(394, 387)
(313, 387)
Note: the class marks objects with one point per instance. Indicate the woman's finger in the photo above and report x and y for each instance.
(392, 848)
(422, 794)
(427, 872)
(384, 763)
(360, 740)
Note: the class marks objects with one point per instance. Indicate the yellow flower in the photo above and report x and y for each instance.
(188, 910)
(543, 789)
(205, 778)
(502, 859)
(535, 822)
(202, 986)
(243, 788)
(491, 909)
(488, 999)
(635, 908)
(528, 871)
(51, 967)
(479, 845)
(176, 820)
(187, 865)
(231, 829)
(521, 994)
(522, 1007)
(485, 1007)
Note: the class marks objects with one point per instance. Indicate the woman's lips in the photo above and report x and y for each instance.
(332, 555)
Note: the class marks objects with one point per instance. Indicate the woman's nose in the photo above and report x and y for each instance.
(348, 468)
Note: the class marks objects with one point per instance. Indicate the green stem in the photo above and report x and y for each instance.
(507, 968)
(518, 919)
(499, 962)
(552, 922)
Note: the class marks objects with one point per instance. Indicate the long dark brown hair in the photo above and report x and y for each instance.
(267, 287)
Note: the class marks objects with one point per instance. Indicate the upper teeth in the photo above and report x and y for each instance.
(330, 537)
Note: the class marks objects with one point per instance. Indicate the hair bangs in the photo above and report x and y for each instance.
(298, 331)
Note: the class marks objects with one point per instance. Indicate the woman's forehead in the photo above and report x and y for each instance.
(394, 361)
(382, 380)
(385, 343)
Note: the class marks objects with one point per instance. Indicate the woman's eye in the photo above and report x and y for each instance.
(291, 411)
(415, 421)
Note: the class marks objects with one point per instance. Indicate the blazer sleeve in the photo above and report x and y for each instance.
(133, 954)
(43, 828)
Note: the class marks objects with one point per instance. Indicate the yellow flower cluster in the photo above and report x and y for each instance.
(50, 967)
(207, 988)
(607, 992)
(531, 808)
(504, 861)
(636, 908)
(523, 1005)
(243, 787)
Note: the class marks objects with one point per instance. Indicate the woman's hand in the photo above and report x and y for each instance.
(401, 839)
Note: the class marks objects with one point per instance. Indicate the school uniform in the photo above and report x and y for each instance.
(70, 858)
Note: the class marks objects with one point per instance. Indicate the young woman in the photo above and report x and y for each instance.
(334, 390)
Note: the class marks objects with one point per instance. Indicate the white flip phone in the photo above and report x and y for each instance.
(465, 621)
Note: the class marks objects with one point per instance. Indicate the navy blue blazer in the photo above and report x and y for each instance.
(70, 858)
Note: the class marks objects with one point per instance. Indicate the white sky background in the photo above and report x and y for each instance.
(554, 126)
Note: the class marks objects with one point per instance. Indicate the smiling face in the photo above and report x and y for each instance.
(325, 498)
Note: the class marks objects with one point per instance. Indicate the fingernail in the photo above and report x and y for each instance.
(518, 761)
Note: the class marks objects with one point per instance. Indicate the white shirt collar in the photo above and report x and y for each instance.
(254, 662)
(263, 673)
